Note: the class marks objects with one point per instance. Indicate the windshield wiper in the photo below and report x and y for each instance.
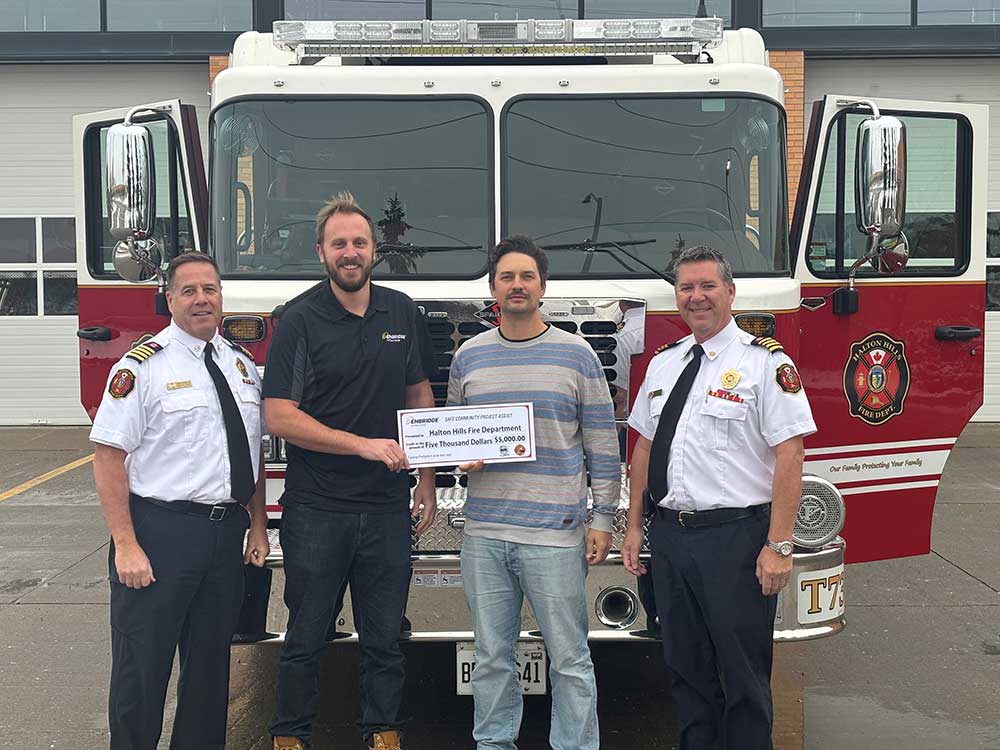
(407, 251)
(610, 247)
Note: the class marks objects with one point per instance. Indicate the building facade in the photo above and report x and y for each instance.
(58, 59)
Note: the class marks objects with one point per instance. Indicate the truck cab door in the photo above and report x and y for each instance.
(115, 314)
(893, 384)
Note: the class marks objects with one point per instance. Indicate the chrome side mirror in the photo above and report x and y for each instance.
(137, 260)
(131, 180)
(879, 199)
(880, 188)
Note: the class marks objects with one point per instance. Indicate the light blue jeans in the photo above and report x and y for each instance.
(497, 575)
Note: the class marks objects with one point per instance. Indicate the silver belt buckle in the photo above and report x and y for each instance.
(213, 516)
(681, 514)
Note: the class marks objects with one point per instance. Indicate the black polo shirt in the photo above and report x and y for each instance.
(349, 373)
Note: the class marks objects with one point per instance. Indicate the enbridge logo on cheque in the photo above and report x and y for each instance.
(393, 337)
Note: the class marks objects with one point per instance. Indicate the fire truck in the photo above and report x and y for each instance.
(614, 144)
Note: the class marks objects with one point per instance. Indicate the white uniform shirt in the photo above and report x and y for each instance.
(722, 454)
(165, 413)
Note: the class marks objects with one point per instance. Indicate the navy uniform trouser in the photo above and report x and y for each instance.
(717, 630)
(192, 607)
(321, 550)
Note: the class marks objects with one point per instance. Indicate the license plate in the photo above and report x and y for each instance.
(532, 667)
(820, 595)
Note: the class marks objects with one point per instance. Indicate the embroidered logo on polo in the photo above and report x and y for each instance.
(394, 338)
(876, 378)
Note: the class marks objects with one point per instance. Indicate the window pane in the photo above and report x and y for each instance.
(50, 15)
(993, 288)
(993, 234)
(59, 240)
(655, 174)
(59, 291)
(18, 293)
(354, 10)
(421, 168)
(17, 241)
(654, 8)
(825, 13)
(931, 225)
(180, 15)
(931, 12)
(485, 10)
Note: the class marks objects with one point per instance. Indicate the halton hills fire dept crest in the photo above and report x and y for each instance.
(876, 378)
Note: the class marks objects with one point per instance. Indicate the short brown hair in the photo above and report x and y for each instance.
(519, 244)
(192, 256)
(341, 203)
(700, 253)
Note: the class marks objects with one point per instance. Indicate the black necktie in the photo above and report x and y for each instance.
(659, 453)
(240, 468)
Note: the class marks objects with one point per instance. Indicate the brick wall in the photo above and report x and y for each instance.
(216, 64)
(791, 64)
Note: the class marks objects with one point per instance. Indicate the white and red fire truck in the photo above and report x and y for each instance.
(614, 144)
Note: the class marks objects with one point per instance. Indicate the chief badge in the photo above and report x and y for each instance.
(242, 368)
(788, 378)
(122, 383)
(729, 379)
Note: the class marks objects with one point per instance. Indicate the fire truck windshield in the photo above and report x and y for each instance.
(654, 174)
(421, 167)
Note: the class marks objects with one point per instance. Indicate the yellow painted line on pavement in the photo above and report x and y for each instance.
(24, 486)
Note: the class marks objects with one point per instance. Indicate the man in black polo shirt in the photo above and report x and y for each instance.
(342, 361)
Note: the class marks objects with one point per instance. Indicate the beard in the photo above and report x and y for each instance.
(518, 308)
(345, 284)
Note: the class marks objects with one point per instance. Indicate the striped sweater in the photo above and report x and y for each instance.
(542, 501)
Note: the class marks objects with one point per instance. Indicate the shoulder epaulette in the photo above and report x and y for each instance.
(239, 348)
(768, 343)
(144, 351)
(664, 347)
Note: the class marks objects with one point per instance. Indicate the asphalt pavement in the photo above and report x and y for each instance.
(918, 667)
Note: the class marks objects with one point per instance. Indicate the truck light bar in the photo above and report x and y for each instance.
(311, 40)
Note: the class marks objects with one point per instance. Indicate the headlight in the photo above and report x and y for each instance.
(821, 513)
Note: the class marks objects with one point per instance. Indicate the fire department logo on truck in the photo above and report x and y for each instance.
(876, 378)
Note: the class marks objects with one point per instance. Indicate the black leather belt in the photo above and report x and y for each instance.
(696, 519)
(213, 512)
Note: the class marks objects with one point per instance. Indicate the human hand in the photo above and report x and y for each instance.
(132, 566)
(598, 544)
(386, 451)
(773, 571)
(424, 506)
(631, 547)
(472, 466)
(257, 547)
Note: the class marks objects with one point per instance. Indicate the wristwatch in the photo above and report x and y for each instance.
(782, 548)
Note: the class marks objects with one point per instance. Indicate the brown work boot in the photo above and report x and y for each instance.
(387, 740)
(288, 743)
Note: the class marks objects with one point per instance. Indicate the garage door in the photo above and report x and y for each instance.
(38, 346)
(939, 80)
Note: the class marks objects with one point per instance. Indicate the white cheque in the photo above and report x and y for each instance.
(459, 434)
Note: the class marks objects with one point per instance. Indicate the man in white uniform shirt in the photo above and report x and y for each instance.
(720, 416)
(177, 453)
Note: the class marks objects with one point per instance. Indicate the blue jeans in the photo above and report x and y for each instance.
(323, 549)
(497, 575)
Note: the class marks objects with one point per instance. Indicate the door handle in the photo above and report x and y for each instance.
(957, 333)
(94, 333)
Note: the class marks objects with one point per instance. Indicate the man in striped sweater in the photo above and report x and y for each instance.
(525, 531)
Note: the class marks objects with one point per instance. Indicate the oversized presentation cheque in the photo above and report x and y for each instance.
(460, 434)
